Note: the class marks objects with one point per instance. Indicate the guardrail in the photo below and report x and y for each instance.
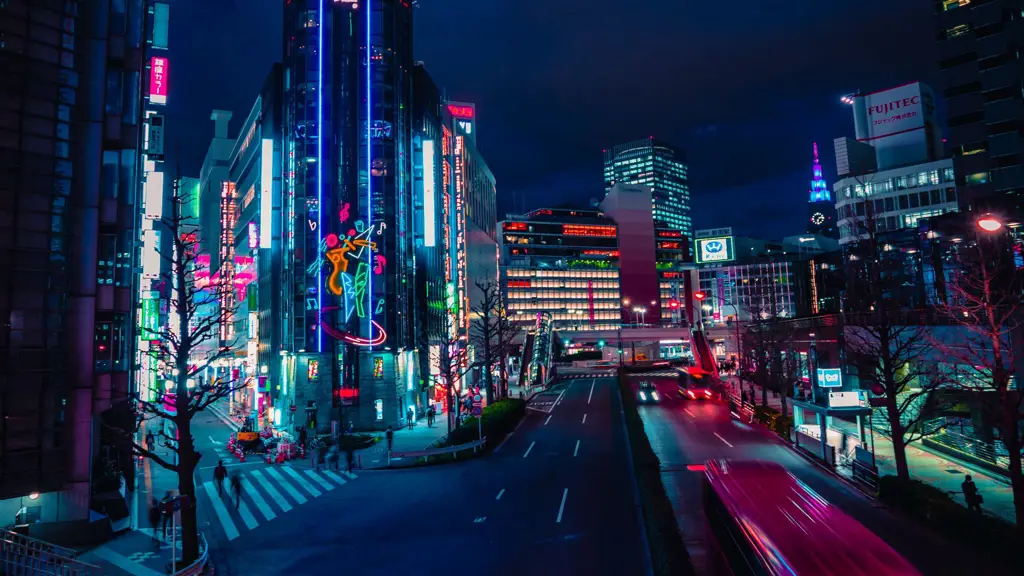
(427, 453)
(27, 556)
(199, 565)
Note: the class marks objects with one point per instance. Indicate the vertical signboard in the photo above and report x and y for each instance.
(154, 189)
(161, 22)
(429, 201)
(150, 320)
(158, 74)
(266, 191)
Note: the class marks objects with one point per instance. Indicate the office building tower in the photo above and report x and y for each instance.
(71, 122)
(348, 205)
(662, 167)
(983, 75)
(821, 211)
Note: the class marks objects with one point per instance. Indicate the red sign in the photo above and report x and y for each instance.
(158, 70)
(579, 230)
(461, 111)
(515, 226)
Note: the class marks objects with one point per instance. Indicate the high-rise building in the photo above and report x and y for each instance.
(71, 124)
(821, 211)
(348, 201)
(983, 74)
(662, 167)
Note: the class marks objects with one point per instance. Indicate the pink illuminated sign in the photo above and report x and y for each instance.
(158, 80)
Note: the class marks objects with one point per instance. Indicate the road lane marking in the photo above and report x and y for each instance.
(530, 448)
(687, 410)
(269, 487)
(589, 398)
(349, 474)
(327, 485)
(247, 517)
(302, 481)
(724, 440)
(222, 513)
(584, 418)
(257, 499)
(548, 420)
(561, 508)
(577, 450)
(479, 519)
(498, 497)
(287, 487)
(334, 476)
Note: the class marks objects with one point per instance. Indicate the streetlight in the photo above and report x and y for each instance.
(989, 223)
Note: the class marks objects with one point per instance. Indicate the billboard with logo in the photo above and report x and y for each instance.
(900, 123)
(830, 378)
(715, 250)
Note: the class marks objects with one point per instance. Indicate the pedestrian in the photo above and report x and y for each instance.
(334, 457)
(219, 474)
(971, 494)
(409, 417)
(236, 487)
(390, 435)
(349, 457)
(166, 508)
(154, 518)
(302, 437)
(315, 450)
(150, 441)
(521, 395)
(430, 417)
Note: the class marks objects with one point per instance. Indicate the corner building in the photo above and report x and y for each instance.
(348, 205)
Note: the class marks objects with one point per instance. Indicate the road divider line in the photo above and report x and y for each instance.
(589, 398)
(548, 420)
(500, 494)
(577, 450)
(584, 418)
(530, 448)
(687, 410)
(724, 440)
(561, 508)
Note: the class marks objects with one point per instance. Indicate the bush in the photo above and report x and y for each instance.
(498, 420)
(668, 553)
(773, 420)
(947, 517)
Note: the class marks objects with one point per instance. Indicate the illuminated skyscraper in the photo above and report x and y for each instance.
(821, 212)
(662, 167)
(348, 206)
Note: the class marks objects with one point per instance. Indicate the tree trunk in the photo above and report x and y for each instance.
(488, 376)
(1011, 440)
(187, 460)
(899, 448)
(764, 393)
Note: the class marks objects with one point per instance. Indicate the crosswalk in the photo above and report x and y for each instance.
(586, 375)
(268, 493)
(659, 374)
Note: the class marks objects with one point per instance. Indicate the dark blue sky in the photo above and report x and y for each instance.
(745, 86)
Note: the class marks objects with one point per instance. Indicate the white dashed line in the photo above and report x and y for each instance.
(577, 450)
(724, 440)
(591, 391)
(528, 449)
(548, 420)
(561, 508)
(687, 410)
(584, 418)
(498, 497)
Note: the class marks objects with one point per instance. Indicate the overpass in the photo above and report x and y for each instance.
(626, 334)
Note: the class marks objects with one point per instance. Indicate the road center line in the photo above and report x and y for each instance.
(584, 418)
(548, 420)
(561, 508)
(498, 497)
(530, 448)
(592, 383)
(577, 450)
(687, 410)
(724, 440)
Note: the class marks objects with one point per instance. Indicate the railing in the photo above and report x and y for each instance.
(26, 556)
(994, 454)
(199, 565)
(428, 452)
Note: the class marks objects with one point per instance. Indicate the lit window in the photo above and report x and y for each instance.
(951, 4)
(957, 31)
(977, 178)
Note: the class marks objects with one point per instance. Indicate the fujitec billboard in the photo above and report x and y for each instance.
(714, 250)
(894, 110)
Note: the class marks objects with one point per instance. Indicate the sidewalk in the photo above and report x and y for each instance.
(928, 467)
(405, 440)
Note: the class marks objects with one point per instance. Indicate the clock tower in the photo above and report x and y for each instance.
(821, 211)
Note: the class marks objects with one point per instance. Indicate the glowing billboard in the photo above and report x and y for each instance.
(429, 191)
(158, 71)
(715, 250)
(266, 189)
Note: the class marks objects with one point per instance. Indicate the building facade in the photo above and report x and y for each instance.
(661, 166)
(71, 128)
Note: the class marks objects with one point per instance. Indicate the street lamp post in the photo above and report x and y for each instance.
(736, 321)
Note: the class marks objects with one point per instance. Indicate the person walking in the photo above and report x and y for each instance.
(390, 435)
(302, 437)
(219, 474)
(971, 494)
(167, 512)
(236, 487)
(154, 519)
(150, 441)
(349, 458)
(409, 417)
(430, 417)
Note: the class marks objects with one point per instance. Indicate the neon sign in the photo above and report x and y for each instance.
(514, 226)
(376, 339)
(381, 129)
(578, 230)
(158, 80)
(461, 111)
(378, 368)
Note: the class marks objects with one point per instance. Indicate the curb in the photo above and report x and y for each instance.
(638, 507)
(224, 418)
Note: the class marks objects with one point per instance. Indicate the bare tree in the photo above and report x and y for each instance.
(177, 345)
(452, 369)
(492, 333)
(985, 301)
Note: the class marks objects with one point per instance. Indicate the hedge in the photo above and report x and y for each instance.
(773, 420)
(949, 518)
(668, 553)
(498, 420)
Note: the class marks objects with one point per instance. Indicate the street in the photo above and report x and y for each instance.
(685, 433)
(556, 497)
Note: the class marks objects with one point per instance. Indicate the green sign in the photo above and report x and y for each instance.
(590, 263)
(150, 319)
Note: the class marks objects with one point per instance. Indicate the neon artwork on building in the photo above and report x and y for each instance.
(460, 232)
(353, 287)
(313, 369)
(458, 111)
(378, 368)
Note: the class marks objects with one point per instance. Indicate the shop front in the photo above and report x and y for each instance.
(837, 433)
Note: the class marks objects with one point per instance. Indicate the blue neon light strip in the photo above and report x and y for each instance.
(320, 174)
(368, 6)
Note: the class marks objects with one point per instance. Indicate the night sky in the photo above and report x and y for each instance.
(745, 86)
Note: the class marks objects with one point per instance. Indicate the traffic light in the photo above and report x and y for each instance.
(700, 295)
(673, 304)
(600, 343)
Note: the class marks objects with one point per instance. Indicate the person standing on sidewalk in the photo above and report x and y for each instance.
(219, 474)
(154, 518)
(409, 417)
(349, 457)
(150, 441)
(302, 437)
(390, 435)
(430, 417)
(971, 494)
(236, 487)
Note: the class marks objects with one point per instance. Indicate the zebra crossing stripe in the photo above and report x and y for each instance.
(287, 487)
(222, 514)
(302, 481)
(268, 486)
(350, 475)
(247, 517)
(334, 477)
(257, 499)
(327, 485)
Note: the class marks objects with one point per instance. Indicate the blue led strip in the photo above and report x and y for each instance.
(368, 6)
(320, 175)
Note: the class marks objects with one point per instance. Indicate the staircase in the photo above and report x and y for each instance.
(24, 556)
(705, 358)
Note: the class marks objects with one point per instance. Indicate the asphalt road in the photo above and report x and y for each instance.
(555, 498)
(684, 433)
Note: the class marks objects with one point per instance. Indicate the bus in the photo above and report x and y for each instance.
(762, 520)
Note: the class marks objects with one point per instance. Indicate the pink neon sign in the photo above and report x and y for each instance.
(158, 70)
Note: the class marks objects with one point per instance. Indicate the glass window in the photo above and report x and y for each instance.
(936, 197)
(924, 199)
(106, 259)
(914, 202)
(889, 205)
(922, 178)
(115, 92)
(131, 96)
(947, 175)
(904, 202)
(950, 194)
(109, 173)
(879, 206)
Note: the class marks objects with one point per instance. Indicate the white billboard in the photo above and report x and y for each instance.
(429, 214)
(892, 111)
(154, 188)
(711, 250)
(266, 191)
